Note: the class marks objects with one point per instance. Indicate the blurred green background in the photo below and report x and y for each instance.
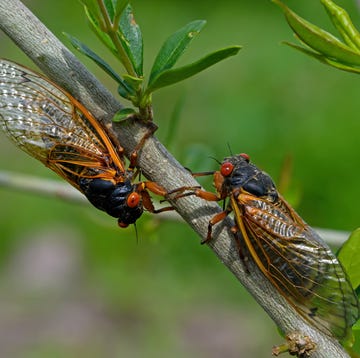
(73, 284)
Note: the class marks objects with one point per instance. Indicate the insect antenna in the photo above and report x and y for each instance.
(136, 233)
(216, 160)
(231, 152)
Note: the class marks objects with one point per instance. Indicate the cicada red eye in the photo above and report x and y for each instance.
(226, 169)
(245, 156)
(123, 225)
(133, 200)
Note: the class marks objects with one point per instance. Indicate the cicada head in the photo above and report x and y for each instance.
(238, 173)
(126, 204)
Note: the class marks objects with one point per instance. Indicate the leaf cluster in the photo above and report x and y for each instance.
(343, 54)
(114, 24)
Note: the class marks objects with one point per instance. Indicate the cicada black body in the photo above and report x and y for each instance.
(52, 126)
(287, 251)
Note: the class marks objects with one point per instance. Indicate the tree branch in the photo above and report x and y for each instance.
(45, 187)
(156, 163)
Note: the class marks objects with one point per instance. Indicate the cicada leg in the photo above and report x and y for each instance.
(208, 196)
(215, 220)
(143, 189)
(193, 190)
(238, 240)
(151, 129)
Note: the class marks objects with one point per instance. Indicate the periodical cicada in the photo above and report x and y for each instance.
(52, 126)
(288, 252)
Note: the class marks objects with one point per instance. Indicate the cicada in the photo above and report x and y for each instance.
(48, 123)
(289, 253)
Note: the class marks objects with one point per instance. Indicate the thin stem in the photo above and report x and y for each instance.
(143, 102)
(45, 187)
(113, 33)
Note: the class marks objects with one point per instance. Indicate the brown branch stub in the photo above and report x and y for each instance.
(297, 344)
(155, 162)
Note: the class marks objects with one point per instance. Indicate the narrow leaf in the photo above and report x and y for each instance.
(123, 114)
(169, 77)
(356, 326)
(100, 62)
(324, 59)
(134, 82)
(97, 28)
(318, 39)
(131, 39)
(350, 258)
(174, 47)
(109, 8)
(92, 7)
(343, 23)
(119, 7)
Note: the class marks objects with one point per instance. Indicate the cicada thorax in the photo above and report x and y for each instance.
(52, 126)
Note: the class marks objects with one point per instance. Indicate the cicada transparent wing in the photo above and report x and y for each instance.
(298, 263)
(50, 125)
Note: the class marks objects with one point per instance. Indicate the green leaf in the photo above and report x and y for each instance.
(174, 47)
(169, 77)
(343, 23)
(119, 7)
(349, 257)
(97, 27)
(101, 63)
(131, 39)
(114, 8)
(356, 326)
(92, 7)
(109, 5)
(324, 59)
(123, 92)
(123, 114)
(134, 82)
(318, 39)
(126, 91)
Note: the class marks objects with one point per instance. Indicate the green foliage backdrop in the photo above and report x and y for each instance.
(164, 294)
